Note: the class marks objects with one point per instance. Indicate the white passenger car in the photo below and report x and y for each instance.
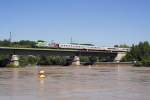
(78, 46)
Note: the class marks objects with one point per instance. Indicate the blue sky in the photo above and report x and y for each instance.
(102, 22)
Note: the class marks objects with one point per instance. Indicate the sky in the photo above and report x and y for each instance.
(101, 22)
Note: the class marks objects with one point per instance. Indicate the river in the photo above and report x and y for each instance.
(75, 83)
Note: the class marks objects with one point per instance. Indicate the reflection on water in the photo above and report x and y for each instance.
(75, 83)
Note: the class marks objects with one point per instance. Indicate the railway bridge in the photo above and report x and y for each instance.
(15, 52)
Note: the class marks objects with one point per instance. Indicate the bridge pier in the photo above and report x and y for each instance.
(119, 56)
(76, 61)
(14, 60)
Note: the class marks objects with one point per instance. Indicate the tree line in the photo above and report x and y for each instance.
(19, 44)
(139, 54)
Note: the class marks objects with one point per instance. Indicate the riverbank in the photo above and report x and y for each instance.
(113, 64)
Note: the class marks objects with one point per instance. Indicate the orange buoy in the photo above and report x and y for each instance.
(42, 74)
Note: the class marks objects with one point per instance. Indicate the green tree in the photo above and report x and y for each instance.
(140, 53)
(23, 61)
(33, 60)
(124, 46)
(93, 59)
(84, 59)
(5, 43)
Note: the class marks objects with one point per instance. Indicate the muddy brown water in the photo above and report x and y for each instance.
(75, 83)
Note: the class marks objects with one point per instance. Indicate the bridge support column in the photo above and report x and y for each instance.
(76, 61)
(14, 60)
(119, 56)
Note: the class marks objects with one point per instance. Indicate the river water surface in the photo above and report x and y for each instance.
(75, 83)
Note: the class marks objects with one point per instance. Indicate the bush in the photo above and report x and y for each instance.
(52, 60)
(3, 60)
(33, 60)
(84, 59)
(23, 60)
(138, 64)
(146, 61)
(11, 66)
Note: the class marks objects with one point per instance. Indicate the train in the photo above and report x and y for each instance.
(44, 44)
(87, 47)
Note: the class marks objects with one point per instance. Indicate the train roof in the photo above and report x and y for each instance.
(82, 44)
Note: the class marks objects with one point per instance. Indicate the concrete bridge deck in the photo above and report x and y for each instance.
(48, 51)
